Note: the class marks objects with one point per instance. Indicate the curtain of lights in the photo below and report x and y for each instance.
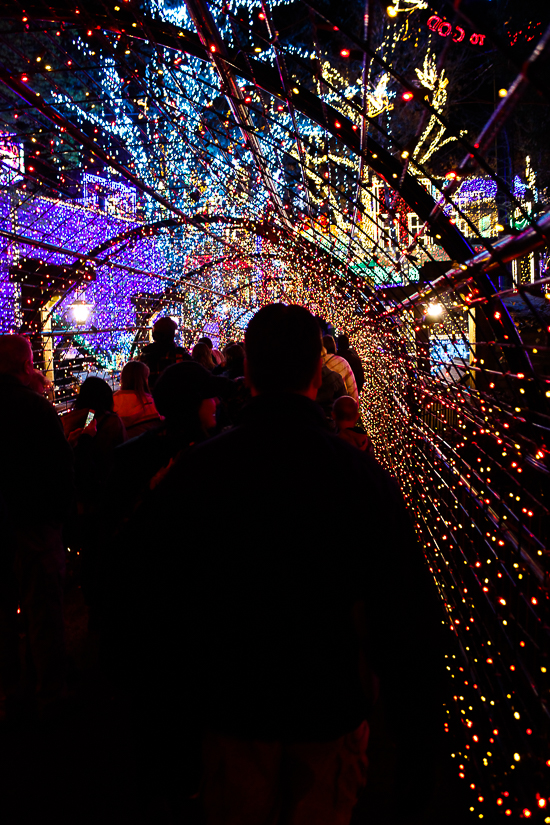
(203, 160)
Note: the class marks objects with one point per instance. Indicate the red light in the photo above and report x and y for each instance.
(247, 99)
(528, 731)
(213, 48)
(337, 124)
(508, 812)
(31, 168)
(499, 801)
(542, 803)
(24, 78)
(495, 732)
(345, 52)
(451, 176)
(407, 95)
(261, 15)
(526, 813)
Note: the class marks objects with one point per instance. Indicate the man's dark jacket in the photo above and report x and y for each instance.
(250, 620)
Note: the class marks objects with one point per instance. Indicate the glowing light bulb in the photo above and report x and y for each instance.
(392, 11)
(434, 310)
(80, 312)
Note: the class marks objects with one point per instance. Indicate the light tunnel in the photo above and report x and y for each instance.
(201, 160)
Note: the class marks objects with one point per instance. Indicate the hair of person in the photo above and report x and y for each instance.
(178, 394)
(134, 376)
(343, 341)
(206, 341)
(283, 348)
(202, 354)
(233, 352)
(15, 350)
(345, 408)
(164, 330)
(330, 344)
(95, 394)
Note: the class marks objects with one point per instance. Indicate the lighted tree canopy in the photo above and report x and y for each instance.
(384, 165)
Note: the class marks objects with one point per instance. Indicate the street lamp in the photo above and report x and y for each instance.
(80, 311)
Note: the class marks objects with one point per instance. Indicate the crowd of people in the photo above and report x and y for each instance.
(254, 635)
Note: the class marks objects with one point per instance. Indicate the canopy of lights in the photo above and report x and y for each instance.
(201, 160)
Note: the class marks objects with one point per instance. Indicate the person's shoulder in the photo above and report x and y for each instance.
(37, 403)
(149, 350)
(363, 464)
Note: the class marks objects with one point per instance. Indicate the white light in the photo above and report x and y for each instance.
(435, 310)
(81, 312)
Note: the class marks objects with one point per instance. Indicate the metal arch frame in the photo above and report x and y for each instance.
(380, 160)
(308, 104)
(216, 49)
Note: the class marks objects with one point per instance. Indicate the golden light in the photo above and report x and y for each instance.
(502, 92)
(434, 310)
(392, 11)
(80, 311)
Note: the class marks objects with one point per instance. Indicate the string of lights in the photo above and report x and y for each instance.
(153, 165)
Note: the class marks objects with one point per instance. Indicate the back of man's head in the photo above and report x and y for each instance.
(206, 341)
(345, 410)
(164, 330)
(283, 348)
(343, 341)
(15, 352)
(330, 344)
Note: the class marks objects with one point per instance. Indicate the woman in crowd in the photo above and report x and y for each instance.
(133, 402)
(203, 356)
(93, 430)
(234, 361)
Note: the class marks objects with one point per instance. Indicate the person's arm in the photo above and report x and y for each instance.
(351, 385)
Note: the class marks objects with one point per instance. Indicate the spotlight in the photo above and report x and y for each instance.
(392, 11)
(434, 310)
(407, 95)
(80, 311)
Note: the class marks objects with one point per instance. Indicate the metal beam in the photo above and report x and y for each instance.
(215, 48)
